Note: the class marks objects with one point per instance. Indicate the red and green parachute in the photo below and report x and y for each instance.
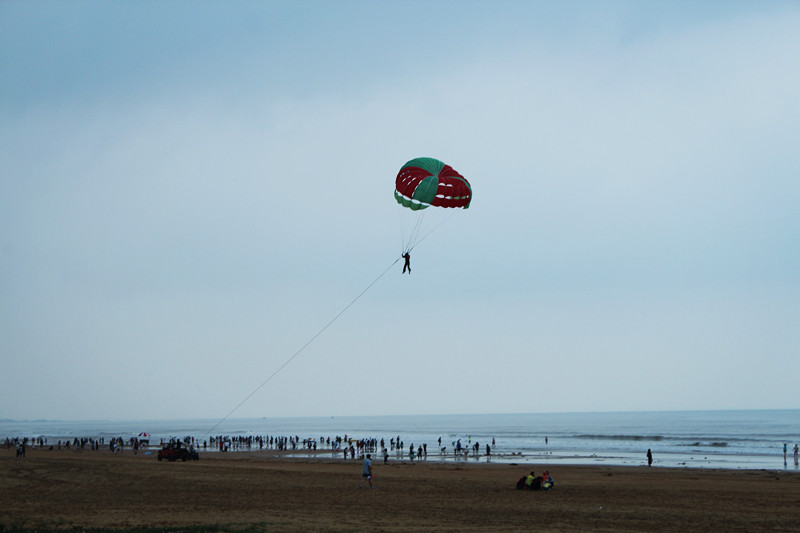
(425, 182)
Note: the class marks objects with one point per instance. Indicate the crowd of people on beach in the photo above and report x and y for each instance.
(349, 446)
(43, 442)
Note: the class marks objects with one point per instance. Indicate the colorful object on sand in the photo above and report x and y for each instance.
(425, 182)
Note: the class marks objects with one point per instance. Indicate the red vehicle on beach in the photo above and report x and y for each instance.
(173, 452)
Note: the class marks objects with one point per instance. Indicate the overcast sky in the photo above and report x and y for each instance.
(190, 191)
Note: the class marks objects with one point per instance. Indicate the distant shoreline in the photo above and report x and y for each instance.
(500, 459)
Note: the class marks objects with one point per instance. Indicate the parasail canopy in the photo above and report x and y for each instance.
(425, 182)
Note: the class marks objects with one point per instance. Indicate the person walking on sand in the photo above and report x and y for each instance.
(649, 457)
(366, 472)
(407, 264)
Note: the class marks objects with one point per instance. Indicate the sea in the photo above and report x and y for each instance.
(746, 439)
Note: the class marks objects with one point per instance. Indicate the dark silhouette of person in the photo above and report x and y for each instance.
(407, 264)
(649, 458)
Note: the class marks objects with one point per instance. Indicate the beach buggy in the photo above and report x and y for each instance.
(173, 452)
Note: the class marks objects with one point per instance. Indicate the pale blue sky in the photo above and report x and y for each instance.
(191, 190)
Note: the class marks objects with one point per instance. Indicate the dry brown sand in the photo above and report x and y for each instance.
(97, 489)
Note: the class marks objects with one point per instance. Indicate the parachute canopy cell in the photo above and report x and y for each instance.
(425, 182)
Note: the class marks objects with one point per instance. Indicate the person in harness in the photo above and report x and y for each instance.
(407, 264)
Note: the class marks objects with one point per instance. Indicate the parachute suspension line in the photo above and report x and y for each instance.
(410, 239)
(414, 236)
(402, 232)
(441, 222)
(312, 339)
(405, 232)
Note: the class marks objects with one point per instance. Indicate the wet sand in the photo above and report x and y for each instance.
(71, 488)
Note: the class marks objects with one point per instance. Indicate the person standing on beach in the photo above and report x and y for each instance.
(649, 457)
(366, 472)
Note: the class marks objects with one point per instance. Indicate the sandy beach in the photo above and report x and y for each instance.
(268, 492)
